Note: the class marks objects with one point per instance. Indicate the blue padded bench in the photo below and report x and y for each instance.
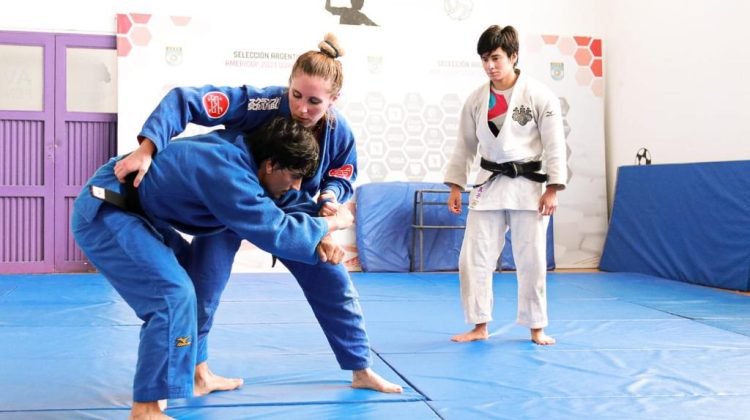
(687, 222)
(384, 228)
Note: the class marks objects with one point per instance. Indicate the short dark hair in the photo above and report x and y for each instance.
(496, 37)
(287, 144)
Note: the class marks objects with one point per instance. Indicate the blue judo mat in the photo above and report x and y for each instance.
(629, 346)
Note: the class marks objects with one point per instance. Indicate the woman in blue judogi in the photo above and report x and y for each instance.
(314, 85)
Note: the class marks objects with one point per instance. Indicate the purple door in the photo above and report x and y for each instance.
(85, 128)
(51, 139)
(26, 152)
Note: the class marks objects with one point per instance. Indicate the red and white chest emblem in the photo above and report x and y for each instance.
(216, 104)
(344, 172)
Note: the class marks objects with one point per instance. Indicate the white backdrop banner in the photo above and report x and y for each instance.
(407, 72)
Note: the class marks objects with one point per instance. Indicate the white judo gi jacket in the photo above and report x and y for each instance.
(532, 130)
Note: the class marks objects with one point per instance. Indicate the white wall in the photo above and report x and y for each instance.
(98, 16)
(83, 16)
(678, 81)
(675, 69)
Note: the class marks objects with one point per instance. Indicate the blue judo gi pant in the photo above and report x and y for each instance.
(145, 271)
(328, 289)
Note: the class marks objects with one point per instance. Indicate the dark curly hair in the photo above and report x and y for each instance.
(288, 145)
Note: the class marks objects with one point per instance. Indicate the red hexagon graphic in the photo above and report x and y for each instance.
(534, 44)
(550, 39)
(140, 17)
(123, 46)
(596, 47)
(180, 20)
(140, 36)
(123, 24)
(566, 45)
(583, 41)
(584, 76)
(597, 86)
(583, 56)
(596, 67)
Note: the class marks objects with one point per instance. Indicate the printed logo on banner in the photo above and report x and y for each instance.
(458, 9)
(173, 56)
(557, 70)
(344, 172)
(216, 104)
(374, 63)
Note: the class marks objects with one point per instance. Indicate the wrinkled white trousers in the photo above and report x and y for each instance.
(483, 243)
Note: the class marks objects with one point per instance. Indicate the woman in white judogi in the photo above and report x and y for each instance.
(516, 126)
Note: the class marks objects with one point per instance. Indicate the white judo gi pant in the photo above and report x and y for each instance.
(483, 243)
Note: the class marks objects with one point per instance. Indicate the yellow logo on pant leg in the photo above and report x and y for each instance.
(183, 341)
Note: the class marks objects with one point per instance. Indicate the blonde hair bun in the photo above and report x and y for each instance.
(330, 46)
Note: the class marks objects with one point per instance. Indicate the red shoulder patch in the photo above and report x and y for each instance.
(344, 172)
(216, 104)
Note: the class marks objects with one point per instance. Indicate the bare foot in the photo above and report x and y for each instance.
(539, 337)
(478, 333)
(147, 411)
(367, 379)
(206, 382)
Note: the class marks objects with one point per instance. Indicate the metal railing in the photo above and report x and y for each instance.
(418, 226)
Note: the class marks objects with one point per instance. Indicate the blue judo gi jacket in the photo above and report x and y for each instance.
(246, 108)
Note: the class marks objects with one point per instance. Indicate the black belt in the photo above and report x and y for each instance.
(528, 170)
(127, 199)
